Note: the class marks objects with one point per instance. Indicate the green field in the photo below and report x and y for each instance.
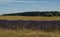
(28, 33)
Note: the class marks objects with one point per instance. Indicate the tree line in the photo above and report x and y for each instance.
(36, 13)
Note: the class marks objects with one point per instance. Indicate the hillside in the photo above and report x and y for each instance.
(36, 13)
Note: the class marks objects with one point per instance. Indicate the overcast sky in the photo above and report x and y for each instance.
(14, 6)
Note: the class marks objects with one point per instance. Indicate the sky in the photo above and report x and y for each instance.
(15, 6)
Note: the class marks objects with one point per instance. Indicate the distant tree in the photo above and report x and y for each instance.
(46, 13)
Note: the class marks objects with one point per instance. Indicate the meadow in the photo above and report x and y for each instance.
(37, 18)
(28, 32)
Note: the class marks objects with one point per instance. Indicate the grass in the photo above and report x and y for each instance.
(27, 33)
(37, 18)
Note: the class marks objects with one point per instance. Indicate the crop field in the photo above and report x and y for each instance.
(29, 26)
(37, 18)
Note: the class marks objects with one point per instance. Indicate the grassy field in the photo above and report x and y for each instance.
(37, 18)
(27, 33)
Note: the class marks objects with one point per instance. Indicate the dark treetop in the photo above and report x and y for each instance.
(36, 13)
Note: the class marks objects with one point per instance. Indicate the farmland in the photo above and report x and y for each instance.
(29, 26)
(37, 18)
